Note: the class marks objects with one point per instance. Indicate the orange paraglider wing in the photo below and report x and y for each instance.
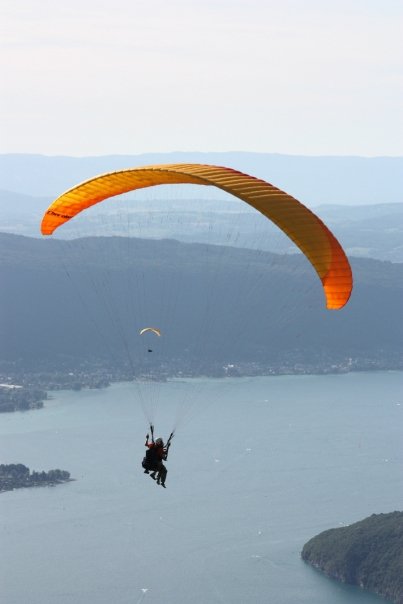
(301, 225)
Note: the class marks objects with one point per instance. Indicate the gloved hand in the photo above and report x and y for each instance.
(147, 436)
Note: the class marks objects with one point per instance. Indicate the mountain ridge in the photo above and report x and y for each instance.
(312, 179)
(219, 306)
(374, 231)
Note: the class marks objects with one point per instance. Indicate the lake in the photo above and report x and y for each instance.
(257, 467)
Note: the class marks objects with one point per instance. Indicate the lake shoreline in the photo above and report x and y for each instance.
(307, 453)
(33, 388)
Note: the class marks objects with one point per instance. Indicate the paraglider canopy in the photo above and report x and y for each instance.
(152, 329)
(301, 225)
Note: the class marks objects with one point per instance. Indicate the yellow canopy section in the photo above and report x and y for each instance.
(300, 224)
(152, 329)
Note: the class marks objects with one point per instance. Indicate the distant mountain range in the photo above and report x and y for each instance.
(216, 306)
(372, 231)
(312, 180)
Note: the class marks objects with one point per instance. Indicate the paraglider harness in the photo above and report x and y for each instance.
(151, 460)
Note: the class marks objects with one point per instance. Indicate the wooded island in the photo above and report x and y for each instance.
(17, 476)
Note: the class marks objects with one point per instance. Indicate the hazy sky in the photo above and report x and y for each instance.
(96, 77)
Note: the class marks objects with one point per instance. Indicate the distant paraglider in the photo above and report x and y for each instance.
(152, 329)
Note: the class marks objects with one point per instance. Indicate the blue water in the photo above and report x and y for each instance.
(260, 467)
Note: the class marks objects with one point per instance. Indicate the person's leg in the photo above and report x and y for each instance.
(163, 474)
(155, 471)
(160, 465)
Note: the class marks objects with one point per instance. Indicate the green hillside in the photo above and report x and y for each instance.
(218, 305)
(368, 553)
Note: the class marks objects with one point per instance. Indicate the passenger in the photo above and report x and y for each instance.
(153, 459)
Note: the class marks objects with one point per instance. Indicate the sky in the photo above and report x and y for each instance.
(299, 77)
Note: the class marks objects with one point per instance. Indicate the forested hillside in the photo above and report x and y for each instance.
(84, 301)
(367, 553)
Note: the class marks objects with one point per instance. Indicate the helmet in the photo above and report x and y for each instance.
(159, 442)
